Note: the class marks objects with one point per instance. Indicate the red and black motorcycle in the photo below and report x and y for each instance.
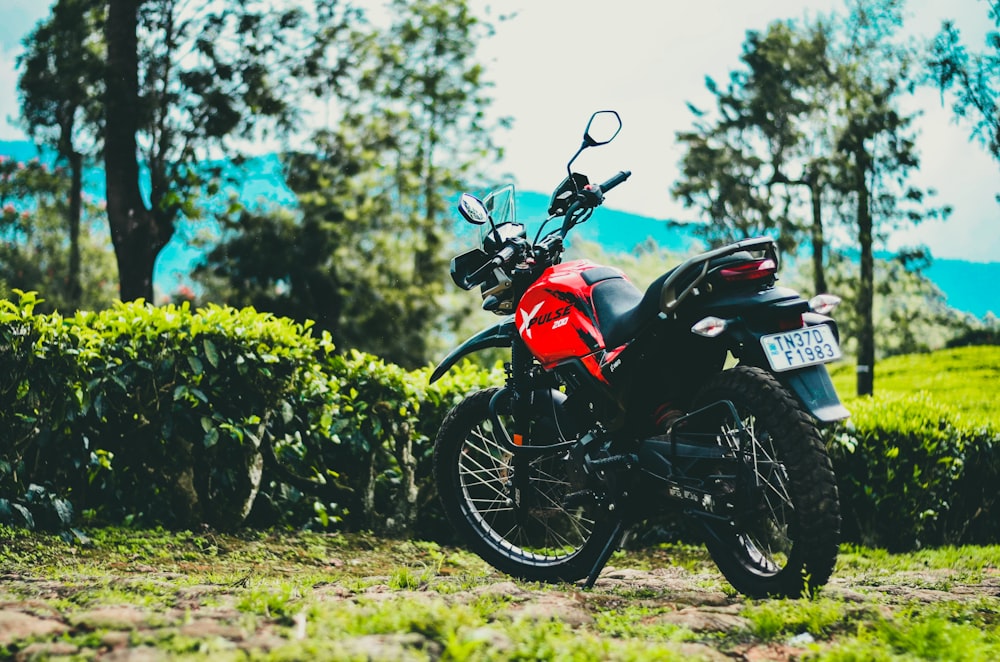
(622, 406)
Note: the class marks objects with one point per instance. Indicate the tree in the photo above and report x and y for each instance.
(186, 80)
(741, 170)
(422, 83)
(34, 252)
(972, 78)
(59, 86)
(817, 108)
(367, 245)
(878, 142)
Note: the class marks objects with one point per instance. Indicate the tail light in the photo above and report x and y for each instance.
(750, 271)
(790, 323)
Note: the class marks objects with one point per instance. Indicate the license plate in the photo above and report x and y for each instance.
(806, 346)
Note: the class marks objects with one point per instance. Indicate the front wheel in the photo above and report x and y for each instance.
(784, 534)
(512, 510)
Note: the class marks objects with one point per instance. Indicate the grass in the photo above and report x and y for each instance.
(285, 596)
(964, 379)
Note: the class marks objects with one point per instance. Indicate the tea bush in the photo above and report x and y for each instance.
(168, 416)
(913, 472)
(164, 415)
(144, 412)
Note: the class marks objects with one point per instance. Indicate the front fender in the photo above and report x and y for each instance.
(498, 335)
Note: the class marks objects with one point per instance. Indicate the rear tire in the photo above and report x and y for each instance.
(541, 540)
(785, 539)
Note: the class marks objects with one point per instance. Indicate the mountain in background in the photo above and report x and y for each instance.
(967, 285)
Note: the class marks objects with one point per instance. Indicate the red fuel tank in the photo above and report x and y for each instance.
(556, 317)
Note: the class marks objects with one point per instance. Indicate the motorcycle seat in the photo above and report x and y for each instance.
(622, 309)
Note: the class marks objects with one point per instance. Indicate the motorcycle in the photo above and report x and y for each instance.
(622, 406)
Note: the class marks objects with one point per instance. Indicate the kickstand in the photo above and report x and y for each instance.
(609, 548)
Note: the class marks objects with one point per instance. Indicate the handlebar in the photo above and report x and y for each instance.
(498, 260)
(590, 198)
(585, 201)
(615, 180)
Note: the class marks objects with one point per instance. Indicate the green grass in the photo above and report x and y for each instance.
(963, 379)
(288, 596)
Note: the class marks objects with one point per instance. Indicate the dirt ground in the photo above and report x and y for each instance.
(131, 609)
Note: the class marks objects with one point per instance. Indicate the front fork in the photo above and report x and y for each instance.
(514, 399)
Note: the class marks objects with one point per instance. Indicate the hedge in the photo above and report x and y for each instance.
(168, 416)
(178, 417)
(914, 472)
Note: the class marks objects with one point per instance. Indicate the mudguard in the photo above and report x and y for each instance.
(812, 385)
(498, 335)
(814, 389)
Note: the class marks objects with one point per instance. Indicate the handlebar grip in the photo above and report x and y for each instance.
(505, 254)
(616, 180)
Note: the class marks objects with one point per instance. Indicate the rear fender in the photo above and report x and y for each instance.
(811, 385)
(498, 335)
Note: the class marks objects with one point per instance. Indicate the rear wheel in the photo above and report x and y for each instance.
(784, 537)
(513, 510)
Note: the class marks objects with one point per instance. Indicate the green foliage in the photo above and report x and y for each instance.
(971, 77)
(978, 332)
(917, 463)
(142, 413)
(177, 417)
(363, 430)
(771, 120)
(363, 255)
(173, 416)
(960, 379)
(34, 252)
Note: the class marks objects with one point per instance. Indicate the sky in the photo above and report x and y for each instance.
(556, 61)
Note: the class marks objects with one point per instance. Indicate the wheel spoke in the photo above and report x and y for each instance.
(544, 527)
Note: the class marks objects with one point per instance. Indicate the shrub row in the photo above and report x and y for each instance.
(168, 416)
(913, 472)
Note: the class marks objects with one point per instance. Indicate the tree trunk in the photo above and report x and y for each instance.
(74, 288)
(135, 231)
(866, 287)
(818, 240)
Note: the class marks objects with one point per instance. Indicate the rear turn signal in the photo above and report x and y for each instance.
(755, 270)
(824, 303)
(710, 327)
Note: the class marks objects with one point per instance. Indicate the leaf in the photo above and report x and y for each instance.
(211, 353)
(196, 365)
(211, 438)
(64, 510)
(29, 521)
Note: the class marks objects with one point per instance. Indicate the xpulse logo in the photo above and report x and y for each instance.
(529, 321)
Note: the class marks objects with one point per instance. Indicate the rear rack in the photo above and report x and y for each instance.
(670, 300)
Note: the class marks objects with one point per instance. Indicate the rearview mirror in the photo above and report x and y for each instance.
(473, 209)
(602, 128)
